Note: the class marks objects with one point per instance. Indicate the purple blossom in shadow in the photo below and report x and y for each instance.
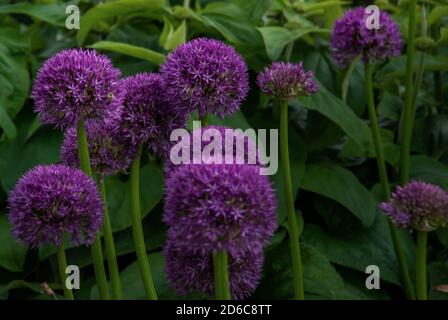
(110, 153)
(51, 200)
(351, 37)
(74, 85)
(207, 75)
(418, 205)
(147, 118)
(286, 81)
(188, 271)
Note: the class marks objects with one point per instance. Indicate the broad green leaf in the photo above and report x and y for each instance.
(361, 248)
(436, 14)
(337, 111)
(13, 39)
(12, 253)
(255, 9)
(118, 9)
(275, 40)
(426, 169)
(14, 83)
(167, 31)
(6, 123)
(130, 50)
(342, 186)
(51, 13)
(22, 284)
(320, 277)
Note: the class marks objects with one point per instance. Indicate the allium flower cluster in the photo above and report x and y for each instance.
(110, 153)
(286, 81)
(206, 75)
(51, 200)
(189, 271)
(74, 85)
(351, 37)
(419, 206)
(213, 207)
(146, 118)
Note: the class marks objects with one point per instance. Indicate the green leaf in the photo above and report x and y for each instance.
(426, 169)
(342, 186)
(51, 13)
(6, 124)
(118, 9)
(340, 113)
(167, 31)
(255, 9)
(361, 248)
(275, 40)
(14, 83)
(14, 39)
(177, 38)
(12, 253)
(130, 50)
(437, 14)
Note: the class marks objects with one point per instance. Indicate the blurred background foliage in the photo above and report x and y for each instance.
(333, 166)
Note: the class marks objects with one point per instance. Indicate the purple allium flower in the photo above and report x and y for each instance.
(351, 38)
(146, 118)
(208, 75)
(220, 207)
(244, 147)
(418, 205)
(77, 84)
(189, 271)
(109, 151)
(286, 81)
(50, 200)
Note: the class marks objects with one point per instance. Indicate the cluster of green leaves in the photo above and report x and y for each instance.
(332, 161)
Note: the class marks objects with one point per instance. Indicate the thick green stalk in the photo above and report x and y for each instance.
(293, 228)
(422, 288)
(405, 132)
(114, 272)
(137, 229)
(220, 265)
(381, 164)
(96, 250)
(62, 265)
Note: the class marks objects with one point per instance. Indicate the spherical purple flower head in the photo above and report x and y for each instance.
(220, 207)
(351, 38)
(214, 144)
(286, 81)
(188, 271)
(418, 205)
(146, 117)
(109, 151)
(77, 84)
(51, 200)
(208, 75)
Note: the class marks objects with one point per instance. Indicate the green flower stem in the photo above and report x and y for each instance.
(137, 229)
(220, 265)
(96, 250)
(405, 132)
(204, 120)
(381, 163)
(293, 228)
(114, 272)
(422, 239)
(62, 265)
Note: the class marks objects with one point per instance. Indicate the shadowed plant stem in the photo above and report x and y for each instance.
(422, 238)
(405, 130)
(293, 229)
(110, 246)
(62, 265)
(96, 250)
(220, 266)
(381, 163)
(137, 229)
